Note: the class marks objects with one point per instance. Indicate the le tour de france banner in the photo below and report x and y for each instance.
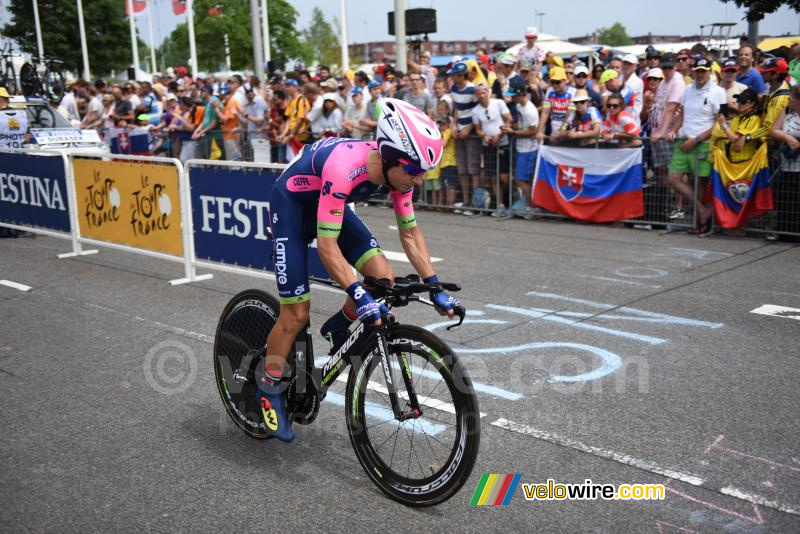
(33, 191)
(587, 184)
(129, 203)
(230, 215)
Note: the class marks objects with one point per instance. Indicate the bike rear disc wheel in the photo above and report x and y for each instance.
(9, 79)
(426, 460)
(243, 326)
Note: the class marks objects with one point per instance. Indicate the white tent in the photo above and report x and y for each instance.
(551, 43)
(638, 50)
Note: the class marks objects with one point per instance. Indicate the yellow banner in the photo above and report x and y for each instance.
(130, 203)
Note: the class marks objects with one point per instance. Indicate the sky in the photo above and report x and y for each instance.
(507, 19)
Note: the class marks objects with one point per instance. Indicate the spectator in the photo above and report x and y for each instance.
(774, 71)
(530, 53)
(629, 63)
(582, 82)
(331, 117)
(467, 144)
(729, 83)
(700, 104)
(684, 66)
(418, 96)
(255, 116)
(276, 120)
(107, 114)
(69, 102)
(295, 129)
(556, 103)
(527, 146)
(311, 92)
(433, 178)
(619, 128)
(342, 93)
(230, 114)
(584, 123)
(149, 100)
(425, 69)
(374, 90)
(440, 93)
(93, 119)
(183, 127)
(612, 79)
(505, 69)
(597, 73)
(123, 112)
(747, 74)
(740, 145)
(324, 73)
(662, 116)
(569, 68)
(491, 120)
(786, 130)
(353, 123)
(653, 60)
(209, 127)
(130, 92)
(236, 85)
(449, 163)
(794, 64)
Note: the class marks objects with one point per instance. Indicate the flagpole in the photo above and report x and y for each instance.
(38, 29)
(258, 50)
(150, 30)
(134, 48)
(265, 30)
(343, 37)
(192, 46)
(84, 50)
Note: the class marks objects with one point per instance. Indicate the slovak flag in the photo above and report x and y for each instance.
(590, 184)
(138, 6)
(133, 141)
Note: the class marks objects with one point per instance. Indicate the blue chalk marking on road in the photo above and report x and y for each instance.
(629, 282)
(480, 387)
(664, 318)
(383, 414)
(575, 324)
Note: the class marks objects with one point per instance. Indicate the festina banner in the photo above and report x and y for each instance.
(590, 184)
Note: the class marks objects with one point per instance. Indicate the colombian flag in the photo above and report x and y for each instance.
(590, 184)
(741, 190)
(495, 489)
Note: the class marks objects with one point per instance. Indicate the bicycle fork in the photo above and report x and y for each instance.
(413, 411)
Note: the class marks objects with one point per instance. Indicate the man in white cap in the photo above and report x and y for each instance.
(629, 64)
(505, 68)
(581, 81)
(531, 53)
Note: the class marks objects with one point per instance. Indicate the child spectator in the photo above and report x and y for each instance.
(619, 128)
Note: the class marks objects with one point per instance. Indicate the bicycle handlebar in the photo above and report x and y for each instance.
(405, 289)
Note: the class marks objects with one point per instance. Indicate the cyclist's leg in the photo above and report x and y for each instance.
(361, 250)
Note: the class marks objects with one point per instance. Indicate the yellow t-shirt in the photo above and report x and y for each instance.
(296, 112)
(744, 125)
(449, 155)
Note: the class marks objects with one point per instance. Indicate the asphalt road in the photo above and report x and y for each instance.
(610, 354)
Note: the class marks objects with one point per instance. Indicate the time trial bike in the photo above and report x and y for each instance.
(410, 408)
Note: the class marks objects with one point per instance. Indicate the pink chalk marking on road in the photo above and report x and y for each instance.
(768, 484)
(756, 519)
(716, 445)
(660, 525)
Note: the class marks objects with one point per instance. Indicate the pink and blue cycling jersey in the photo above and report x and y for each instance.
(332, 172)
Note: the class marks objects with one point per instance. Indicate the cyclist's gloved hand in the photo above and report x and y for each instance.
(367, 310)
(442, 300)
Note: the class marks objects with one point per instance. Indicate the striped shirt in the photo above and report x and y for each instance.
(776, 103)
(463, 100)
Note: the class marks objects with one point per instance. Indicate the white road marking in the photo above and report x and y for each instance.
(758, 499)
(15, 285)
(778, 311)
(400, 256)
(564, 441)
(392, 227)
(430, 402)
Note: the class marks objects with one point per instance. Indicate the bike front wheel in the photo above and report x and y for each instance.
(425, 460)
(243, 327)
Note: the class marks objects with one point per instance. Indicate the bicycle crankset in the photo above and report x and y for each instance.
(303, 399)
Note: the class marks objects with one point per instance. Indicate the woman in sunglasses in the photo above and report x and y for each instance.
(309, 200)
(597, 72)
(619, 128)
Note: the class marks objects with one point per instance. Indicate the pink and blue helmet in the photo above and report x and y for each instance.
(407, 136)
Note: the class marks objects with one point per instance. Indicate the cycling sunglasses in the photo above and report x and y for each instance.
(413, 170)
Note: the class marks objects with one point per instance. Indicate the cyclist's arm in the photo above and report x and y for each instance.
(333, 260)
(410, 235)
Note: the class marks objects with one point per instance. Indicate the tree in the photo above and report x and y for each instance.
(322, 39)
(614, 36)
(107, 32)
(756, 9)
(233, 19)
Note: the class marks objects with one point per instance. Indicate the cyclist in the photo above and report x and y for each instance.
(309, 200)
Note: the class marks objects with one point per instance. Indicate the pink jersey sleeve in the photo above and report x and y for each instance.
(344, 169)
(404, 209)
